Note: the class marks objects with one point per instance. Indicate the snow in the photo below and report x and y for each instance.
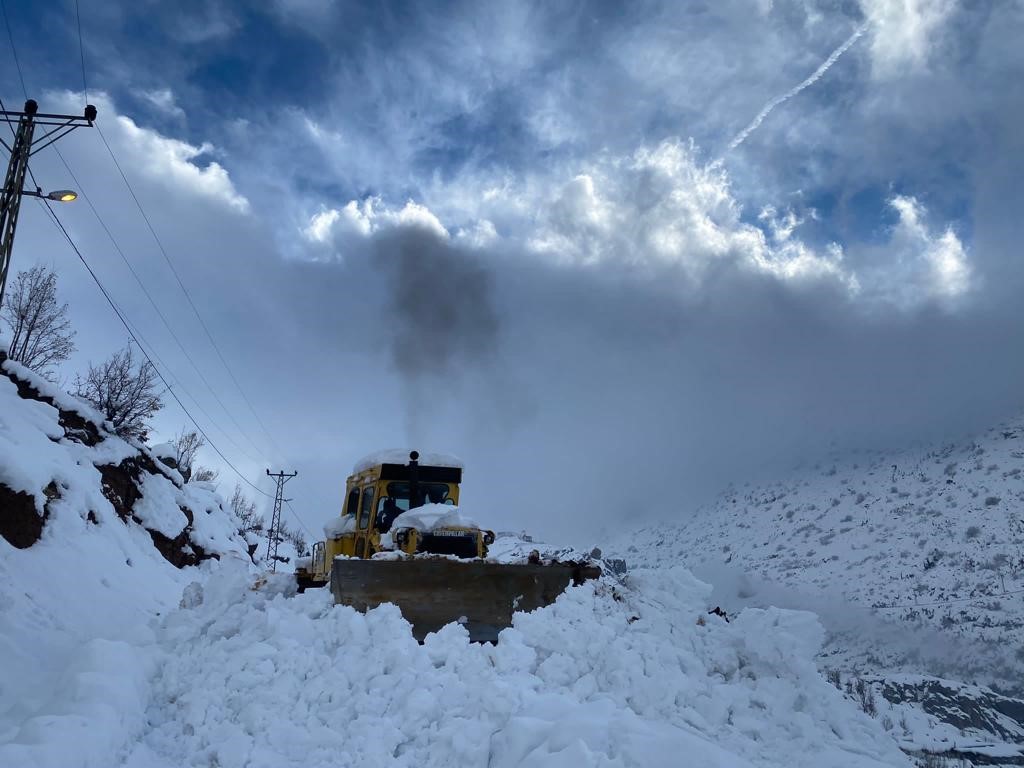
(29, 458)
(48, 389)
(33, 449)
(164, 450)
(158, 507)
(925, 546)
(429, 517)
(401, 456)
(265, 677)
(336, 527)
(511, 547)
(76, 606)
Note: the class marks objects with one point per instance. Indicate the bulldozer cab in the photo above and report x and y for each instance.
(379, 493)
(380, 489)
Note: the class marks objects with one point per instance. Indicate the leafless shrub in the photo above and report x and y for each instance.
(835, 678)
(204, 475)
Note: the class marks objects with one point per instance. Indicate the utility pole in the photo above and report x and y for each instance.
(275, 522)
(17, 168)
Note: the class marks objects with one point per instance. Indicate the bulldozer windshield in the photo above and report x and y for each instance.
(431, 493)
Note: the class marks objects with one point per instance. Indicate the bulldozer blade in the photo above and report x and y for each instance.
(433, 592)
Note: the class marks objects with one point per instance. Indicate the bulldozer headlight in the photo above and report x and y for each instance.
(488, 537)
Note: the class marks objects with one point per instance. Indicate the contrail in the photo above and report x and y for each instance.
(742, 136)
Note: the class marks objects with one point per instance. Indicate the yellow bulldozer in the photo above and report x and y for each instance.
(401, 539)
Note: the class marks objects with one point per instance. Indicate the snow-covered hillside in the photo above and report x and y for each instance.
(125, 642)
(930, 536)
(93, 534)
(913, 560)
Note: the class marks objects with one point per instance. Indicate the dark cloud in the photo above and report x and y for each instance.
(440, 314)
(644, 403)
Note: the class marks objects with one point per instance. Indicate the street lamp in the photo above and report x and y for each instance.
(60, 195)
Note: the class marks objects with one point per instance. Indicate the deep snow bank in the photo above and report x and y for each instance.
(606, 676)
(97, 527)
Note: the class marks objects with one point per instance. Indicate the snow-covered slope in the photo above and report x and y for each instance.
(913, 560)
(933, 537)
(92, 534)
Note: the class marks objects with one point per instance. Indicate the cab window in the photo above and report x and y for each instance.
(366, 508)
(353, 502)
(430, 493)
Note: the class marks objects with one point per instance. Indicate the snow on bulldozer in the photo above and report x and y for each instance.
(402, 539)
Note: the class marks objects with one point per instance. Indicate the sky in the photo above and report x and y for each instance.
(614, 257)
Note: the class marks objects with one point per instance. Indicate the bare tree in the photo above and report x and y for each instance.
(245, 511)
(41, 332)
(296, 538)
(186, 446)
(124, 391)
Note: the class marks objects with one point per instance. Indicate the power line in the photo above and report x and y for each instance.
(181, 285)
(7, 23)
(163, 318)
(142, 343)
(121, 252)
(308, 532)
(81, 50)
(135, 335)
(135, 338)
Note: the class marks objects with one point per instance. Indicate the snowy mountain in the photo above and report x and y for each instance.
(136, 632)
(914, 561)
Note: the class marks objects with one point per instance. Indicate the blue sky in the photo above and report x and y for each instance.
(539, 200)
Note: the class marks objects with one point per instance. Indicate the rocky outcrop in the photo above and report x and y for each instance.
(21, 523)
(965, 707)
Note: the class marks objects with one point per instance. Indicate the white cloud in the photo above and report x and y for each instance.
(904, 33)
(171, 162)
(662, 212)
(481, 234)
(166, 161)
(164, 101)
(338, 228)
(933, 266)
(661, 208)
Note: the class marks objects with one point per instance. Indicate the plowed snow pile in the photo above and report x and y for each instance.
(607, 676)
